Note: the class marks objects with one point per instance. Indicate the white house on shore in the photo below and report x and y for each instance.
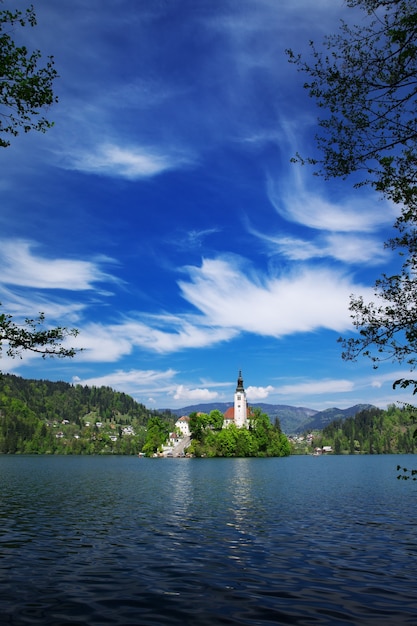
(183, 424)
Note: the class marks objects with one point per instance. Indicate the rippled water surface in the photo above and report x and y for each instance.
(123, 540)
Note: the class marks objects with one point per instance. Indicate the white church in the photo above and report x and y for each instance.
(237, 414)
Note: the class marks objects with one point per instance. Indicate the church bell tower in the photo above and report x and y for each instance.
(241, 407)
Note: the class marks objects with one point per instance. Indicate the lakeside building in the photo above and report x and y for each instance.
(183, 425)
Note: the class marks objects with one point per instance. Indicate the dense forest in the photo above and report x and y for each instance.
(44, 417)
(372, 431)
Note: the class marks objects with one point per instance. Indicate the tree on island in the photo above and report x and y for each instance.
(365, 80)
(26, 89)
(210, 439)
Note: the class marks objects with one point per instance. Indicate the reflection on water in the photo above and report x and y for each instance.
(91, 540)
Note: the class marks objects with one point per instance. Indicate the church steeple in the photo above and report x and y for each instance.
(239, 386)
(240, 404)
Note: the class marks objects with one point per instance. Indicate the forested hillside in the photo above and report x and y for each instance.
(44, 417)
(40, 416)
(372, 431)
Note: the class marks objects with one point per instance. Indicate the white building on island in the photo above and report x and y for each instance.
(238, 413)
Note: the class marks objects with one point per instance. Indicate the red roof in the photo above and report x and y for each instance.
(230, 413)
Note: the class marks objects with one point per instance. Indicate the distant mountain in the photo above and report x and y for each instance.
(322, 418)
(293, 419)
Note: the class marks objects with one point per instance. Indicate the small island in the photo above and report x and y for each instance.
(239, 432)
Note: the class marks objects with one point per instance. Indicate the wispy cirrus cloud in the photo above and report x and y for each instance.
(119, 161)
(316, 387)
(347, 248)
(355, 213)
(226, 301)
(193, 239)
(29, 304)
(346, 229)
(304, 299)
(133, 381)
(22, 267)
(159, 334)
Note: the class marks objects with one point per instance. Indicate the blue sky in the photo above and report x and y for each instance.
(162, 217)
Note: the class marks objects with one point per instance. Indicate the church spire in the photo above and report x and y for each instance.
(241, 407)
(239, 386)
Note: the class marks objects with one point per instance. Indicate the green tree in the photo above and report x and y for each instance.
(33, 336)
(215, 419)
(25, 88)
(246, 443)
(197, 424)
(278, 445)
(364, 79)
(226, 441)
(157, 432)
(261, 427)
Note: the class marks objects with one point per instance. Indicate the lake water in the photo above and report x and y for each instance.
(123, 540)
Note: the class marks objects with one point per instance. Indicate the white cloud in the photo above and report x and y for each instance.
(259, 393)
(379, 378)
(158, 387)
(316, 387)
(347, 248)
(194, 395)
(101, 343)
(111, 342)
(177, 333)
(124, 162)
(304, 300)
(193, 239)
(30, 305)
(21, 267)
(229, 301)
(357, 213)
(132, 381)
